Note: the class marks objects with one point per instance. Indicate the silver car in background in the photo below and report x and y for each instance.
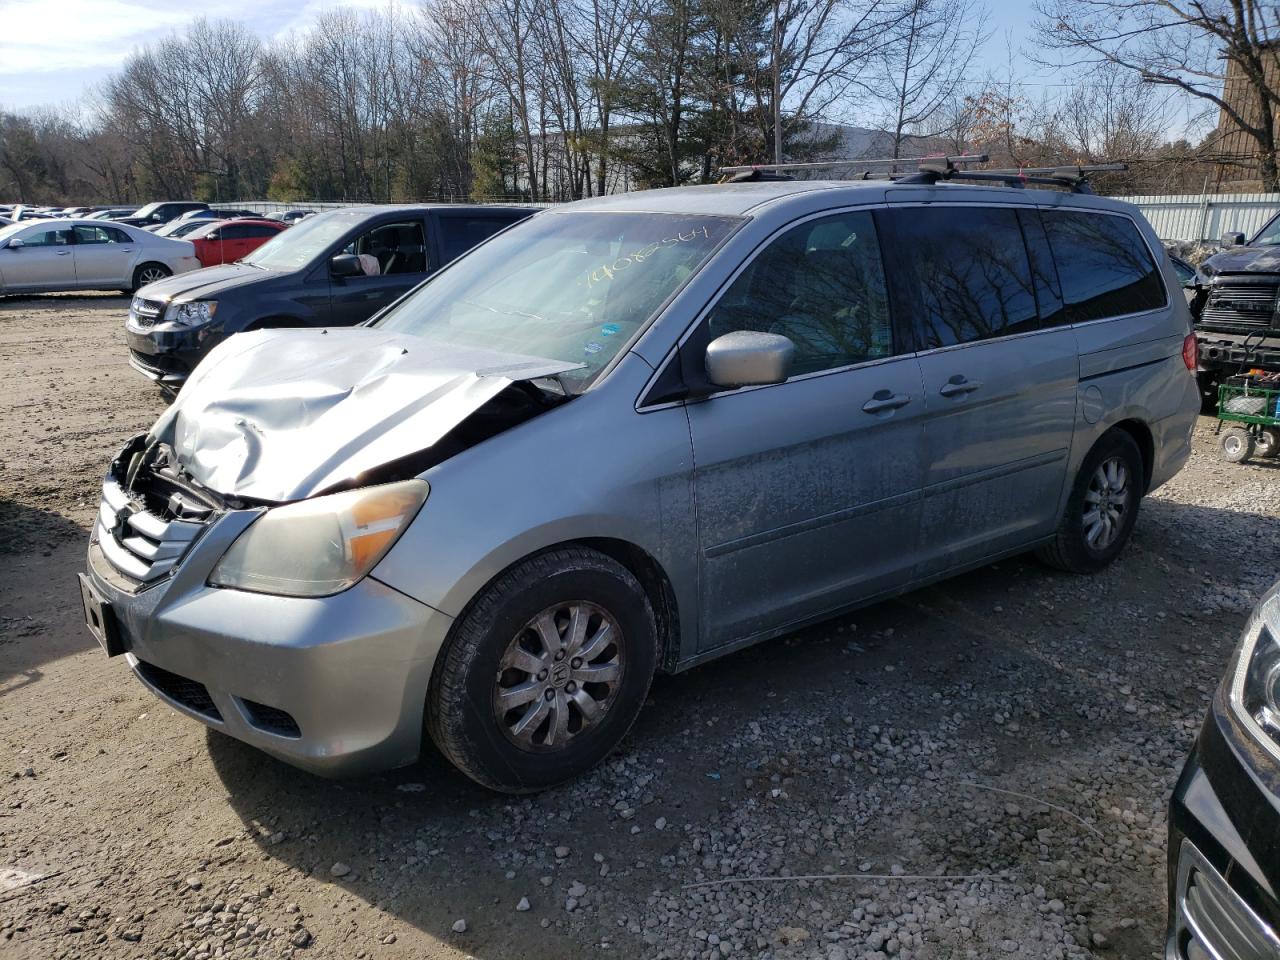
(633, 434)
(39, 256)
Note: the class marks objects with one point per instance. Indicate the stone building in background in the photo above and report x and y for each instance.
(1238, 171)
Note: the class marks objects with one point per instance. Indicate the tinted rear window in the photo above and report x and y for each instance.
(1103, 264)
(460, 234)
(961, 273)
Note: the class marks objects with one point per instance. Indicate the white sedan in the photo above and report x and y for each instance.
(44, 255)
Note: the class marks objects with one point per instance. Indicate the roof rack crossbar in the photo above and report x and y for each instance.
(823, 164)
(1073, 177)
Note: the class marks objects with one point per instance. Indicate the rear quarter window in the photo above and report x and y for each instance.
(1104, 265)
(460, 234)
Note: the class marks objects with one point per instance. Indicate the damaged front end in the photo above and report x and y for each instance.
(151, 513)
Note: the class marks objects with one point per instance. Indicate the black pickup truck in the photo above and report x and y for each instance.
(1237, 307)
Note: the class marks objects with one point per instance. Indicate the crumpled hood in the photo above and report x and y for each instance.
(280, 415)
(1243, 260)
(203, 284)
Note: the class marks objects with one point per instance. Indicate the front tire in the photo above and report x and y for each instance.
(149, 273)
(1102, 507)
(545, 672)
(1268, 442)
(1236, 445)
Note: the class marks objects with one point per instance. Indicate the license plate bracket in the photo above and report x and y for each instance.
(100, 618)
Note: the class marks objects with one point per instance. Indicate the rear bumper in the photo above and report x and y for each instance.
(334, 685)
(1224, 847)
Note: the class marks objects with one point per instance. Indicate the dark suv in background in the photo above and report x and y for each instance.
(158, 214)
(1237, 307)
(334, 269)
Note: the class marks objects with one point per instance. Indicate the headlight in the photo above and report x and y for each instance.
(318, 547)
(191, 313)
(1255, 688)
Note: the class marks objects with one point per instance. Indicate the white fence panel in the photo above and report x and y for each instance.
(1206, 217)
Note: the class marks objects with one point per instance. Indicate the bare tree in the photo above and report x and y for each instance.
(940, 40)
(1191, 45)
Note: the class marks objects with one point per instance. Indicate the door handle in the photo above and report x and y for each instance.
(958, 386)
(64, 253)
(885, 400)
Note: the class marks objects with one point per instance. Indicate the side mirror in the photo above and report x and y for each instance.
(746, 358)
(1233, 238)
(17, 243)
(345, 265)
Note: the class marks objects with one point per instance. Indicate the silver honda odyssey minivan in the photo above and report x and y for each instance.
(627, 435)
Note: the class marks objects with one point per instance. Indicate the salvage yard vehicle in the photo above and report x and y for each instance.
(1237, 307)
(51, 255)
(631, 434)
(1224, 818)
(333, 269)
(226, 241)
(157, 214)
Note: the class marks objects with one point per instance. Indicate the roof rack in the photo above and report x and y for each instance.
(1074, 178)
(776, 168)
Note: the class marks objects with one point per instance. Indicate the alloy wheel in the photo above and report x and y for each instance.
(1105, 503)
(152, 274)
(559, 675)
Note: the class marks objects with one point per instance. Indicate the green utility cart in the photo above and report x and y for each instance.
(1249, 417)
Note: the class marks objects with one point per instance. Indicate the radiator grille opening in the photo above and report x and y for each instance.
(190, 693)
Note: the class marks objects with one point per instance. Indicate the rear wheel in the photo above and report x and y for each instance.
(1268, 442)
(545, 672)
(150, 273)
(1102, 507)
(1236, 444)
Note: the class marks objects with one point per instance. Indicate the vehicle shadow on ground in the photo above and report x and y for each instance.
(40, 554)
(430, 848)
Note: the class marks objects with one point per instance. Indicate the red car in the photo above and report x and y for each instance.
(226, 241)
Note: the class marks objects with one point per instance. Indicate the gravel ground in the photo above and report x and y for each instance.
(1016, 728)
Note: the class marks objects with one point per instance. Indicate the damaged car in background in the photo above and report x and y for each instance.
(627, 435)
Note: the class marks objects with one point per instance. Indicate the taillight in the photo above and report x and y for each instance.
(1190, 355)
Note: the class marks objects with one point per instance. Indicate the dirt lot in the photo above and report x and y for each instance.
(915, 738)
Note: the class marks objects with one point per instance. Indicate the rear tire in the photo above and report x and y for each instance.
(510, 704)
(149, 273)
(1102, 507)
(1236, 445)
(1268, 442)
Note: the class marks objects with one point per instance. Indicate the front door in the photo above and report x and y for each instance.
(394, 257)
(44, 262)
(808, 491)
(1000, 383)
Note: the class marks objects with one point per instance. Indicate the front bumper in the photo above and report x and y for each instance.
(1224, 847)
(334, 685)
(1220, 351)
(167, 355)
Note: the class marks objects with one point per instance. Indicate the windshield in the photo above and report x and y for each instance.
(1268, 236)
(296, 247)
(575, 287)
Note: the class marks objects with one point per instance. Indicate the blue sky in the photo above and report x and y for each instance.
(52, 50)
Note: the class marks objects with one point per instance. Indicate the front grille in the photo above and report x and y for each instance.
(189, 693)
(271, 719)
(157, 364)
(137, 541)
(1213, 921)
(1239, 304)
(144, 313)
